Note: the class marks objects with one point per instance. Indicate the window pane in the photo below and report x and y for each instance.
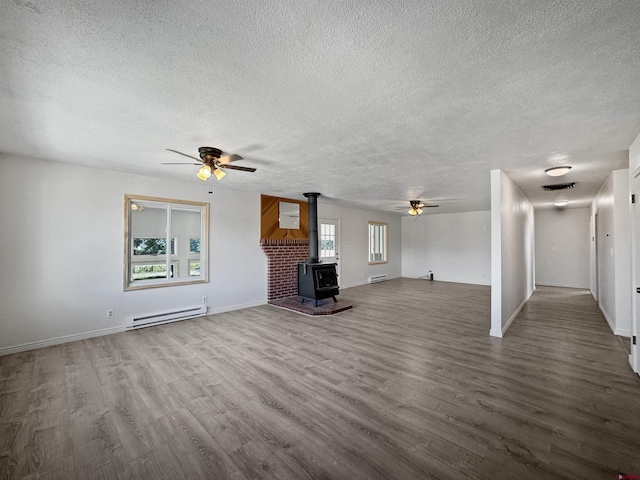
(152, 246)
(377, 242)
(194, 245)
(194, 269)
(185, 226)
(147, 272)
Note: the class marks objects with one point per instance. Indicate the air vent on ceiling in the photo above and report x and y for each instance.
(559, 186)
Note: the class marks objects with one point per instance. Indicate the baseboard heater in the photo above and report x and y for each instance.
(165, 317)
(378, 278)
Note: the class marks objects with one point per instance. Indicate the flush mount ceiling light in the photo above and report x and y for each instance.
(561, 203)
(557, 171)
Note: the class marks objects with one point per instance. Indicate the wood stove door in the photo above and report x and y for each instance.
(329, 238)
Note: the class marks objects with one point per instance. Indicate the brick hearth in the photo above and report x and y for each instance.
(283, 256)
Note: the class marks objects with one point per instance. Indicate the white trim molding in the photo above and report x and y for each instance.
(60, 340)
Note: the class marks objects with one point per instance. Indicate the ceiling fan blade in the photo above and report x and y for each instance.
(184, 154)
(430, 206)
(235, 167)
(180, 163)
(228, 158)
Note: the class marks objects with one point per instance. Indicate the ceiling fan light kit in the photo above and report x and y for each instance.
(557, 171)
(212, 161)
(204, 173)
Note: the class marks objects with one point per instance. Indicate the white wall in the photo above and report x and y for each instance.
(613, 252)
(512, 252)
(62, 252)
(354, 246)
(562, 246)
(456, 247)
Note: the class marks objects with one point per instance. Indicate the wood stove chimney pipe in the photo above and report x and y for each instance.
(312, 201)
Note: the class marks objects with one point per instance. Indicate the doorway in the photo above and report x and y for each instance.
(329, 233)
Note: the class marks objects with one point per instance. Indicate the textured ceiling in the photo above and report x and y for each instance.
(372, 103)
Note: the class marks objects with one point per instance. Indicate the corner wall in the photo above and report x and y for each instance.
(611, 232)
(456, 247)
(354, 243)
(512, 252)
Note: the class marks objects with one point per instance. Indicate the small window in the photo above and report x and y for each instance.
(194, 245)
(152, 224)
(327, 240)
(377, 242)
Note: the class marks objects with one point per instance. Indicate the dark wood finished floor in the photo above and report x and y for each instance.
(407, 385)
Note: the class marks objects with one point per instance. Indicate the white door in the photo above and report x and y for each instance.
(329, 233)
(635, 255)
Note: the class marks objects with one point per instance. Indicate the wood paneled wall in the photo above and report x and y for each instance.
(269, 215)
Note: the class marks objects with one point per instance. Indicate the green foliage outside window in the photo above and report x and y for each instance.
(152, 246)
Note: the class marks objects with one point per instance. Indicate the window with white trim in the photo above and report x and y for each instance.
(153, 223)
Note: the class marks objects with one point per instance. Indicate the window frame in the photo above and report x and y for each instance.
(385, 242)
(170, 259)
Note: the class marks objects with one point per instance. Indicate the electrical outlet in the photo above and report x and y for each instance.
(204, 299)
(109, 313)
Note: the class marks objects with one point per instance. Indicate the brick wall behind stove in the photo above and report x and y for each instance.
(282, 267)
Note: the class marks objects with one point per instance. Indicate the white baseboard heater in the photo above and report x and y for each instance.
(149, 320)
(378, 278)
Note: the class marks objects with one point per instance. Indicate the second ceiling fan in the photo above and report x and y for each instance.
(417, 206)
(212, 161)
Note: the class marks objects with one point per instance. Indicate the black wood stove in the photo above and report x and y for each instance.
(316, 280)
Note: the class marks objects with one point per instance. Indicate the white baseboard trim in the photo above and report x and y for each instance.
(612, 325)
(464, 282)
(60, 340)
(231, 308)
(616, 331)
(107, 331)
(495, 333)
(500, 333)
(365, 282)
(351, 285)
(622, 333)
(564, 285)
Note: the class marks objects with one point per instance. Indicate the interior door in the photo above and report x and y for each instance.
(635, 320)
(329, 232)
(597, 258)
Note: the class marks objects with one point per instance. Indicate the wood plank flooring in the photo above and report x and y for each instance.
(407, 385)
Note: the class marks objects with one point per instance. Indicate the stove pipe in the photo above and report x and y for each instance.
(312, 200)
